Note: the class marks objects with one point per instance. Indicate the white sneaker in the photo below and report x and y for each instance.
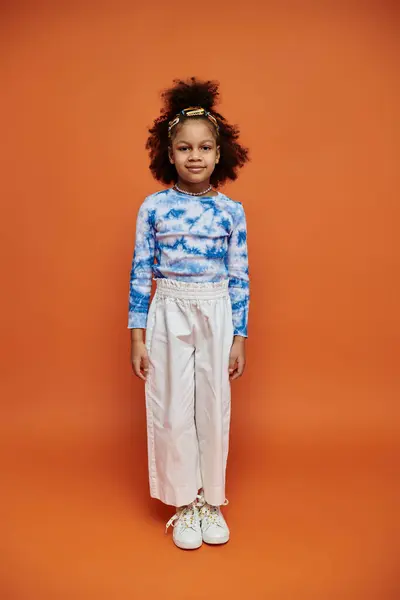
(187, 529)
(213, 525)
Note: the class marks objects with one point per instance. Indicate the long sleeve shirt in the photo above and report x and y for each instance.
(189, 238)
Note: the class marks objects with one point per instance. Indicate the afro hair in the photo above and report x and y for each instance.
(182, 95)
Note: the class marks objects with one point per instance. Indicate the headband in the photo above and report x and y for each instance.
(192, 111)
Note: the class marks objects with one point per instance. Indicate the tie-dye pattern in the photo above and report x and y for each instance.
(188, 238)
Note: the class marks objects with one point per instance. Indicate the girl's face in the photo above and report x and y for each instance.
(194, 152)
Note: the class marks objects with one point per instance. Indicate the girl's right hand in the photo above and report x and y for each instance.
(140, 359)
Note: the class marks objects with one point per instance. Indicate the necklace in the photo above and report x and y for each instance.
(193, 193)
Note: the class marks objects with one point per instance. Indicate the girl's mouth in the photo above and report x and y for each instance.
(195, 169)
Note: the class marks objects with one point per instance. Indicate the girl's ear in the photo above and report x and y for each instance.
(218, 155)
(170, 155)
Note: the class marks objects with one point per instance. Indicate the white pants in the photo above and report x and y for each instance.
(189, 337)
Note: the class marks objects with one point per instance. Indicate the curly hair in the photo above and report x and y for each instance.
(182, 95)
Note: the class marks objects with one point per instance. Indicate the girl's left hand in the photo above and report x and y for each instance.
(237, 358)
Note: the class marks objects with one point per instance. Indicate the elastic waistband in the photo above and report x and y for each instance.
(209, 290)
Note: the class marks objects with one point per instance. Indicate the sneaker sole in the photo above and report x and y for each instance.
(184, 546)
(218, 542)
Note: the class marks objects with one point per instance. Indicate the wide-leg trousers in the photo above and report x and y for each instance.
(188, 406)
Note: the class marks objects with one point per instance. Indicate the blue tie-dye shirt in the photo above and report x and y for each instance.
(189, 238)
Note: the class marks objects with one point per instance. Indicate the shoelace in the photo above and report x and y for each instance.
(186, 514)
(212, 513)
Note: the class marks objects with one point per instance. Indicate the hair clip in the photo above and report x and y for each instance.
(192, 111)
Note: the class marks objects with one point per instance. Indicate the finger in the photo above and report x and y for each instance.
(232, 364)
(136, 369)
(141, 376)
(233, 374)
(133, 366)
(145, 365)
(239, 370)
(241, 365)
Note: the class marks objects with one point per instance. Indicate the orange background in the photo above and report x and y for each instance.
(314, 449)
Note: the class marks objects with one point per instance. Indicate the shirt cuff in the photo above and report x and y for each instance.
(137, 320)
(242, 332)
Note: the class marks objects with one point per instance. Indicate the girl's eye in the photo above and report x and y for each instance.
(183, 148)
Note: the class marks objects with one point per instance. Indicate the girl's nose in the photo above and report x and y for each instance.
(194, 155)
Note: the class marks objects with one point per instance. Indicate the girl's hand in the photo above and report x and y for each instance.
(140, 359)
(237, 358)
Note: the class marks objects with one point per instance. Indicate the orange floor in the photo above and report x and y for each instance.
(306, 524)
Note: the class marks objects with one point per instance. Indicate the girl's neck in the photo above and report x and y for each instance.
(196, 188)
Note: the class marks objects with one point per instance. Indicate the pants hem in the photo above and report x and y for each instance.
(175, 500)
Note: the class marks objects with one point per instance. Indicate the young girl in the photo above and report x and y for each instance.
(192, 240)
